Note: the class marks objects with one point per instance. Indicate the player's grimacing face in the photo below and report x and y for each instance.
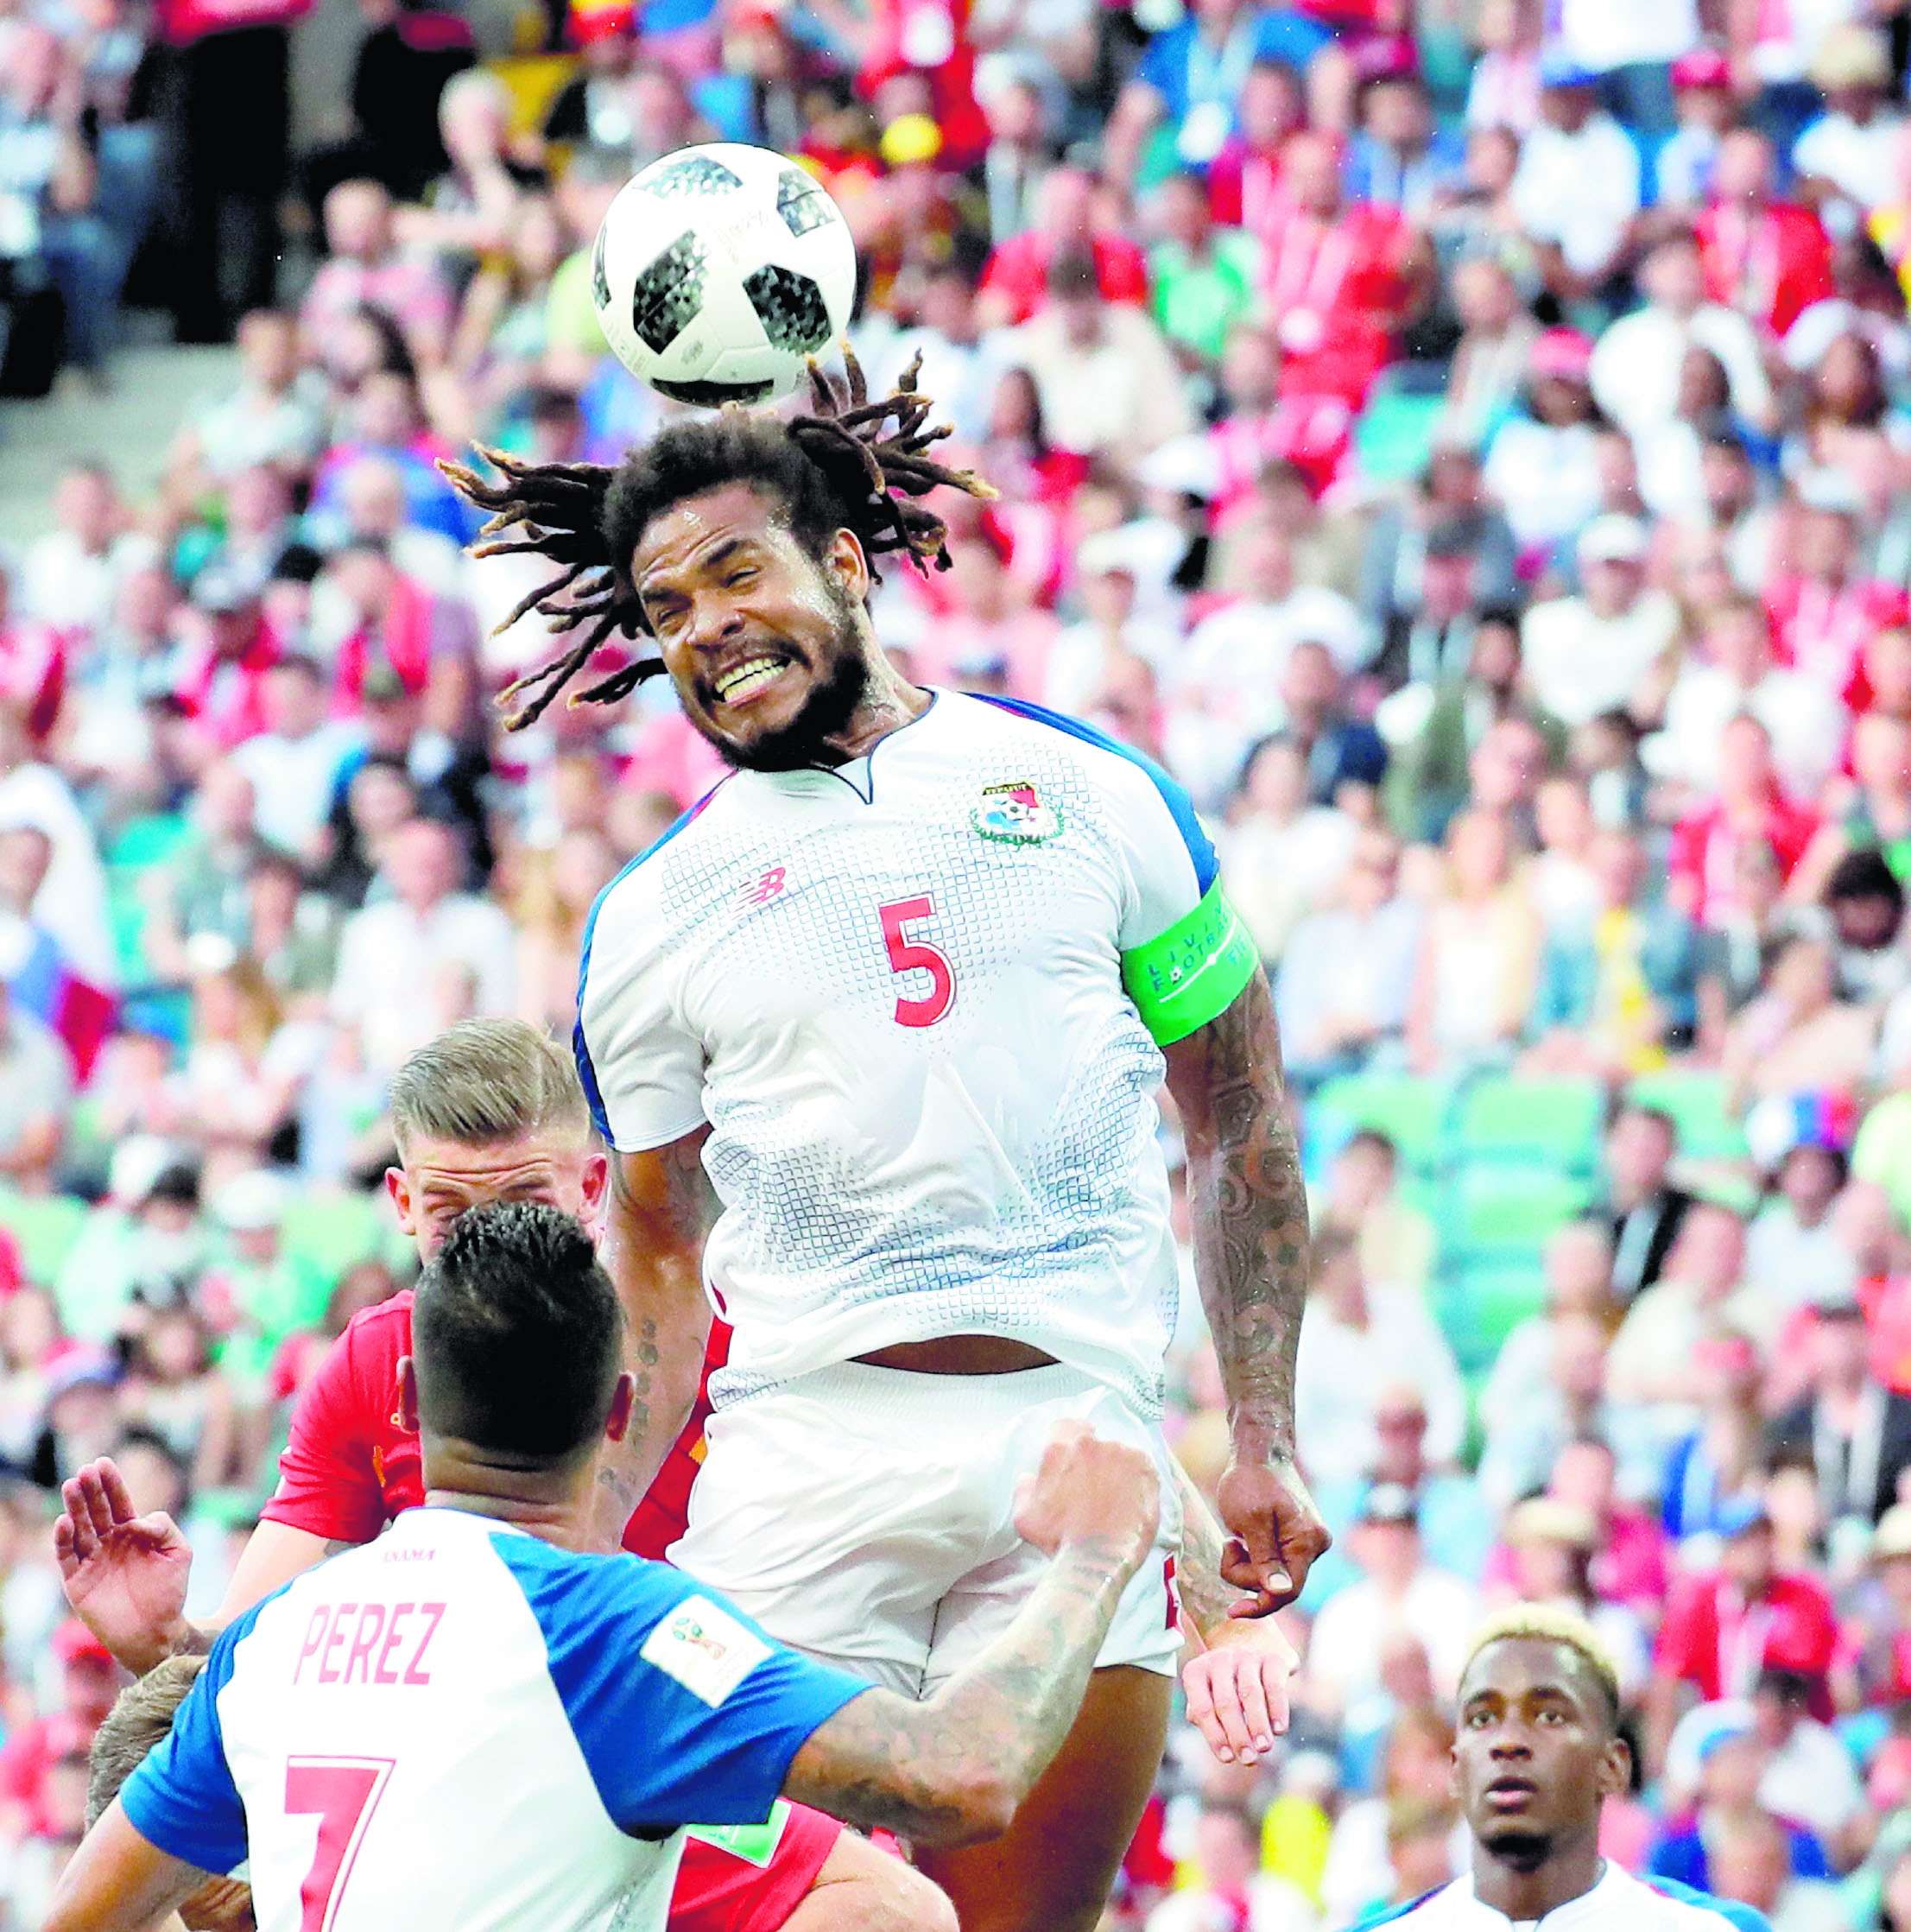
(441, 1179)
(759, 634)
(1534, 1754)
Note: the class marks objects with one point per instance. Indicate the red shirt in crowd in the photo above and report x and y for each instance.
(1703, 856)
(1825, 629)
(226, 695)
(350, 1465)
(931, 38)
(1018, 271)
(1313, 432)
(1713, 1639)
(1771, 264)
(1243, 184)
(1335, 285)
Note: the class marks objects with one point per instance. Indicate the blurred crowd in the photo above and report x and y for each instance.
(1469, 448)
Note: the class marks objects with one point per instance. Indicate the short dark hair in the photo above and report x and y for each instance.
(1865, 874)
(517, 1336)
(850, 464)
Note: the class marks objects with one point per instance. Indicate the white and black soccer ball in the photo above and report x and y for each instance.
(719, 271)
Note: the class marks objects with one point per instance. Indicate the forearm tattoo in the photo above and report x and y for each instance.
(922, 1771)
(1249, 1210)
(1206, 1596)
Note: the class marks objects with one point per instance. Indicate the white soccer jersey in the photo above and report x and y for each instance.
(1616, 1903)
(461, 1728)
(903, 994)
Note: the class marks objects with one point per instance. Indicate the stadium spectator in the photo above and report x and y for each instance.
(1724, 1628)
(1856, 1433)
(1350, 1319)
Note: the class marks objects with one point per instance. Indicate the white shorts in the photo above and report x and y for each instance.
(866, 1515)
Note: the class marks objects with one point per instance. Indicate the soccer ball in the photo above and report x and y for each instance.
(719, 270)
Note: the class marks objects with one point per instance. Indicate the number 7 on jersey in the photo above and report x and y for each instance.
(345, 1792)
(917, 955)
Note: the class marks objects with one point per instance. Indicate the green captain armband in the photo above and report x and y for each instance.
(1191, 973)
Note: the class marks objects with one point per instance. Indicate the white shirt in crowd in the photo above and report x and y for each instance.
(1860, 162)
(294, 780)
(1605, 34)
(393, 964)
(1636, 363)
(1342, 1369)
(1580, 665)
(1806, 723)
(1578, 191)
(1351, 1634)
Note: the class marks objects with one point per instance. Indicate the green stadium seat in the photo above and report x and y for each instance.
(1708, 1128)
(1556, 1122)
(328, 1232)
(1506, 1213)
(1410, 1111)
(1395, 435)
(45, 1227)
(1479, 1307)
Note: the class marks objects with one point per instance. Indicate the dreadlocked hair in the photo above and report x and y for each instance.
(850, 464)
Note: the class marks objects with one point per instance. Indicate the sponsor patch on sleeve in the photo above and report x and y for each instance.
(705, 1649)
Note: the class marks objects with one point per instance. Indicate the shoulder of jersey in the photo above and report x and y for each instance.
(1388, 1914)
(383, 1329)
(1744, 1918)
(1016, 720)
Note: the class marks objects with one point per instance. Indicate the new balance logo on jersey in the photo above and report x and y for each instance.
(760, 892)
(1014, 814)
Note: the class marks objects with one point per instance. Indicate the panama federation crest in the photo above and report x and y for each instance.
(1014, 814)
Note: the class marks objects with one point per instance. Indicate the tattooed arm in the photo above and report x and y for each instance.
(661, 1207)
(1249, 1209)
(955, 1769)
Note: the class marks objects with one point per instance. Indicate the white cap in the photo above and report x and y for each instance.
(1612, 539)
(253, 1202)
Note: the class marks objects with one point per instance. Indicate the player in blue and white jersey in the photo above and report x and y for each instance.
(467, 1725)
(902, 992)
(1536, 1753)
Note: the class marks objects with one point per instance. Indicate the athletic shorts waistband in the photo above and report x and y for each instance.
(905, 1396)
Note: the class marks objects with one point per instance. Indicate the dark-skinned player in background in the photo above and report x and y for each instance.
(1536, 1753)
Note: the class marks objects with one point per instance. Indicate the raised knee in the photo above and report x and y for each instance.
(904, 1901)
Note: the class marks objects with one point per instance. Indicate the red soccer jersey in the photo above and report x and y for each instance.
(351, 1465)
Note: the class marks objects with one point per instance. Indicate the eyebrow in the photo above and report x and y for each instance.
(721, 551)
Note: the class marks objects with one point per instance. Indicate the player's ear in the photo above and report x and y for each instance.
(1616, 1769)
(399, 1190)
(618, 1423)
(847, 563)
(593, 1186)
(407, 1394)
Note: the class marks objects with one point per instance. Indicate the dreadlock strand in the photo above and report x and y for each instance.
(553, 676)
(620, 683)
(533, 600)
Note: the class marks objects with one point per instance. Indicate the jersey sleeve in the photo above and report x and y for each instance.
(1186, 955)
(328, 1484)
(181, 1796)
(684, 1709)
(1740, 1918)
(642, 1066)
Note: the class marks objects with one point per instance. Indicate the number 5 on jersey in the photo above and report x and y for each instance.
(917, 956)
